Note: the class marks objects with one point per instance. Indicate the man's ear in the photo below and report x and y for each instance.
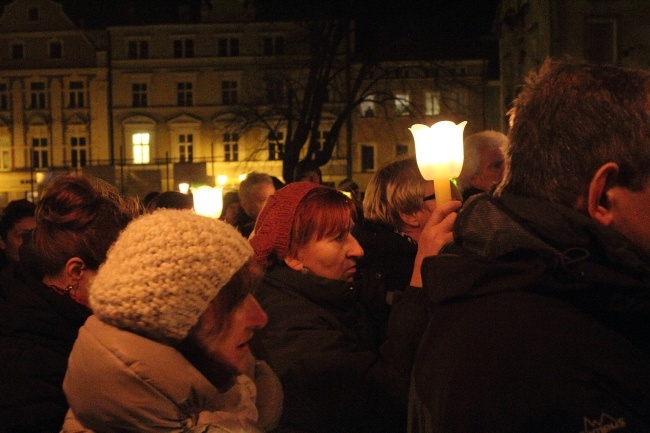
(294, 263)
(598, 202)
(74, 268)
(409, 219)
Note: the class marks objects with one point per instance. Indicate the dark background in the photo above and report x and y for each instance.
(428, 29)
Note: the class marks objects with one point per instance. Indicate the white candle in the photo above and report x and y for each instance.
(439, 154)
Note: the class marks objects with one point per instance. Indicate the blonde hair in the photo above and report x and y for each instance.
(397, 187)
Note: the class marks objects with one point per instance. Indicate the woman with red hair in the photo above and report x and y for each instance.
(318, 339)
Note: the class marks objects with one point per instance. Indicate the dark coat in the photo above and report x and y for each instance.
(244, 224)
(384, 271)
(37, 330)
(319, 343)
(540, 322)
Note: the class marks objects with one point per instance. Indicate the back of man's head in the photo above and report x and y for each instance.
(569, 120)
(307, 171)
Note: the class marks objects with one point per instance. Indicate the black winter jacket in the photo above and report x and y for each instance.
(540, 323)
(37, 330)
(384, 271)
(319, 343)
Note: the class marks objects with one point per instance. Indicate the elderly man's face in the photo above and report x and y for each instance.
(254, 202)
(490, 169)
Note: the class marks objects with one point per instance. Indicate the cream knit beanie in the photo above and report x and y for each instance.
(163, 271)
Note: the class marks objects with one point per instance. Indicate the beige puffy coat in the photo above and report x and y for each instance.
(118, 381)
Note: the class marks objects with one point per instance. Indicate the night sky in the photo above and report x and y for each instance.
(430, 29)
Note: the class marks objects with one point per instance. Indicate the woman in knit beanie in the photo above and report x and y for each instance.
(317, 339)
(167, 346)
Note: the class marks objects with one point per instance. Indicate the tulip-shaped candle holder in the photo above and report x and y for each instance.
(439, 153)
(208, 201)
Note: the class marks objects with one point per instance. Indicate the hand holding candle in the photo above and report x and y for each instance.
(439, 153)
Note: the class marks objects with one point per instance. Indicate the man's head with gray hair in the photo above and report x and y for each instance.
(254, 191)
(483, 163)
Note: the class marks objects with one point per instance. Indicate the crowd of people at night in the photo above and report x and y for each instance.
(521, 305)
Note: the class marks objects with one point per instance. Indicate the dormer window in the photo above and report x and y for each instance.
(17, 51)
(56, 50)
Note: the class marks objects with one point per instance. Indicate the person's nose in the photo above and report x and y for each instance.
(255, 313)
(354, 248)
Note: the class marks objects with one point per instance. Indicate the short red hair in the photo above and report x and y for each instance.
(323, 212)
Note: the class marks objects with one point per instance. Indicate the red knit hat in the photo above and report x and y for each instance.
(274, 223)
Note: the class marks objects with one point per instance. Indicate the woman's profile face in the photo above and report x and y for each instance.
(334, 256)
(230, 344)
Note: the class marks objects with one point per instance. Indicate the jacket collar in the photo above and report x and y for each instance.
(322, 291)
(513, 242)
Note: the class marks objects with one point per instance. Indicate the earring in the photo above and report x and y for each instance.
(69, 288)
(304, 270)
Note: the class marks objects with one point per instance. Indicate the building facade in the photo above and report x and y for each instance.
(147, 107)
(53, 98)
(602, 31)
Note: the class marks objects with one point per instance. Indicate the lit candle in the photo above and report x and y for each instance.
(439, 153)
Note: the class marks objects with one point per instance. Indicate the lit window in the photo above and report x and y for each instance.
(231, 146)
(141, 148)
(367, 106)
(402, 103)
(432, 103)
(276, 145)
(5, 152)
(321, 137)
(186, 147)
(458, 101)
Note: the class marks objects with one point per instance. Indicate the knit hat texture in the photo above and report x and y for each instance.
(274, 223)
(163, 271)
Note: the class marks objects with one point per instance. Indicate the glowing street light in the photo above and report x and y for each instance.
(222, 179)
(184, 187)
(439, 154)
